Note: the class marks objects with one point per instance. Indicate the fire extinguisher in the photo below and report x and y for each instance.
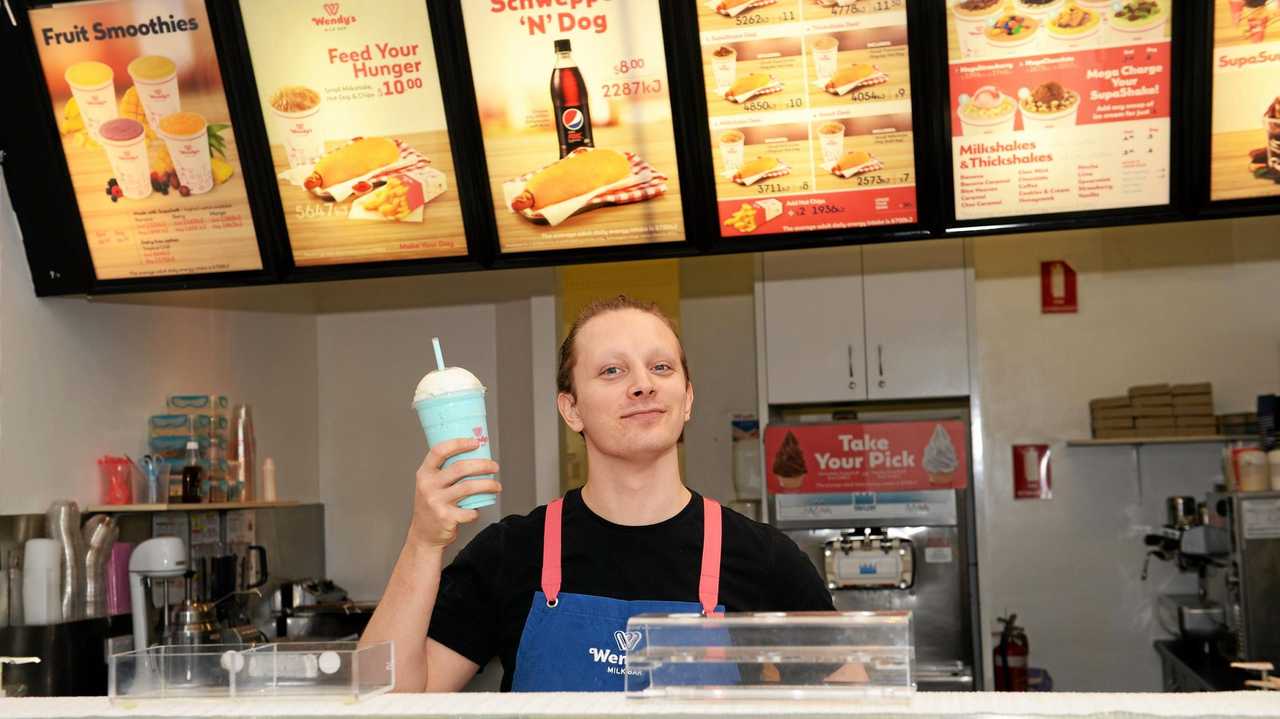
(1011, 656)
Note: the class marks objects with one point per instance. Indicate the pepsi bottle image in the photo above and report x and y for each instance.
(569, 99)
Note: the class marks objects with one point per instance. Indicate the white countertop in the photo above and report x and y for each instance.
(1235, 704)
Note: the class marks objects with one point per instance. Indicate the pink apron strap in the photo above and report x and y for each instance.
(709, 581)
(551, 551)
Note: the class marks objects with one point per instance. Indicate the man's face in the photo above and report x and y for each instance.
(632, 395)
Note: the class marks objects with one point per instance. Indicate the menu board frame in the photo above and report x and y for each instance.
(698, 148)
(39, 180)
(461, 90)
(1201, 51)
(1181, 173)
(460, 122)
(48, 211)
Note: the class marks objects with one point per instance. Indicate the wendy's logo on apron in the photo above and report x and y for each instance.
(626, 640)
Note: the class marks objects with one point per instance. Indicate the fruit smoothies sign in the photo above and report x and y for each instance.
(144, 124)
(1059, 105)
(576, 118)
(866, 457)
(352, 104)
(809, 104)
(1246, 100)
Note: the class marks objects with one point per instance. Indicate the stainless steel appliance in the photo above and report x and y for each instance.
(910, 550)
(1245, 579)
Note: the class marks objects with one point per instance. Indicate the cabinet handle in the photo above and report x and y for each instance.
(880, 358)
(850, 347)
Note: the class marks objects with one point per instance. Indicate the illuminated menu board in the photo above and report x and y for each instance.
(147, 137)
(576, 118)
(1246, 100)
(352, 104)
(1059, 105)
(809, 105)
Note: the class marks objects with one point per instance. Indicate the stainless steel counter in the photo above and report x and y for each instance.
(1234, 704)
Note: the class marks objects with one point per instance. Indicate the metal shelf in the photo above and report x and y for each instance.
(205, 507)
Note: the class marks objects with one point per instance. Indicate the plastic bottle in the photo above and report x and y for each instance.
(268, 480)
(192, 474)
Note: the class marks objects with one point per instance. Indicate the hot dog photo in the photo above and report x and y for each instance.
(579, 143)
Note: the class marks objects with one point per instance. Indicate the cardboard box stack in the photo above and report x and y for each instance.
(1155, 410)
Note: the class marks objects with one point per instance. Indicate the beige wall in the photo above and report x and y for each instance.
(1168, 303)
(717, 314)
(78, 378)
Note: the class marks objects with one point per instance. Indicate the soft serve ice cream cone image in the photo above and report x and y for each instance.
(789, 464)
(940, 457)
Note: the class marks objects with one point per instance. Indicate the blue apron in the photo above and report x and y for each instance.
(578, 642)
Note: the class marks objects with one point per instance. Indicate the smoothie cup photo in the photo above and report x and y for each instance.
(297, 114)
(184, 134)
(125, 141)
(825, 52)
(450, 405)
(732, 150)
(93, 85)
(724, 67)
(831, 141)
(156, 79)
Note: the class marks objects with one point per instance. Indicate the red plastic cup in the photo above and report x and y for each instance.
(117, 479)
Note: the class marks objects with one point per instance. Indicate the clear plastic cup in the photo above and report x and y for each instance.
(831, 141)
(732, 149)
(297, 115)
(826, 50)
(155, 78)
(93, 85)
(724, 66)
(459, 415)
(186, 136)
(125, 141)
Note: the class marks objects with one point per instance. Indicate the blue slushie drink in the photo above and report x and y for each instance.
(450, 405)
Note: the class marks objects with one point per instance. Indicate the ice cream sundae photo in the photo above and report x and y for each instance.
(788, 464)
(1048, 106)
(987, 111)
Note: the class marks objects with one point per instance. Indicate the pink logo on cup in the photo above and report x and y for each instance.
(480, 435)
(189, 150)
(331, 8)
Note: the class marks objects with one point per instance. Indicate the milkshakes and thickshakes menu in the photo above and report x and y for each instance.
(809, 103)
(1059, 105)
(576, 118)
(147, 137)
(353, 110)
(1246, 100)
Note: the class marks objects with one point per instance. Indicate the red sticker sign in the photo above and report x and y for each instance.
(866, 457)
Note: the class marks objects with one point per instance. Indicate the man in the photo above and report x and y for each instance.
(547, 591)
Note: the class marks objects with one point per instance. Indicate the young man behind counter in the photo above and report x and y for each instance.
(544, 592)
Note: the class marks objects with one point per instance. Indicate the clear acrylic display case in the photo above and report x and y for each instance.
(294, 670)
(803, 655)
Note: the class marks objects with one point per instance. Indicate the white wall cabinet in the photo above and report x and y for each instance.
(916, 330)
(814, 350)
(864, 323)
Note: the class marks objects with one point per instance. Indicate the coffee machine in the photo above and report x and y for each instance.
(1231, 541)
(1246, 580)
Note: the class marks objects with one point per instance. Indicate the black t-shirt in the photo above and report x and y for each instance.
(485, 594)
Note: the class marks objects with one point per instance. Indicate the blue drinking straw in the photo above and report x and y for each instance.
(435, 342)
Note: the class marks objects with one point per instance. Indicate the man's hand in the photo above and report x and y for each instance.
(436, 514)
